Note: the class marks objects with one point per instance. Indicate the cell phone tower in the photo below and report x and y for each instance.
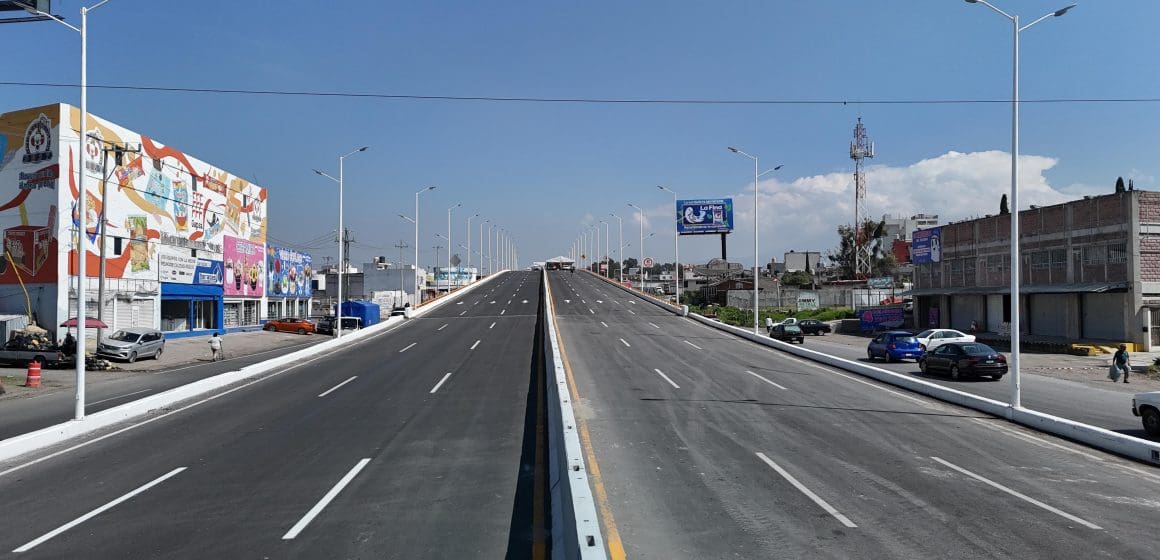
(860, 149)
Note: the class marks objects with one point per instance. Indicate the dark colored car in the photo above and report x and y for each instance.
(787, 333)
(324, 325)
(965, 358)
(814, 326)
(893, 346)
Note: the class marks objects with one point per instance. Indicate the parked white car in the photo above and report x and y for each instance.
(1147, 407)
(933, 338)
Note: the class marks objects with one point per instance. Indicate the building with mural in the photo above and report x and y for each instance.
(288, 282)
(183, 242)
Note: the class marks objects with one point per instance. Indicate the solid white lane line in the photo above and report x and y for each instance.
(851, 378)
(1023, 497)
(492, 326)
(503, 311)
(462, 312)
(655, 325)
(119, 397)
(443, 327)
(766, 380)
(662, 374)
(801, 487)
(631, 311)
(625, 342)
(98, 511)
(603, 323)
(328, 391)
(440, 383)
(476, 344)
(409, 346)
(314, 511)
(693, 345)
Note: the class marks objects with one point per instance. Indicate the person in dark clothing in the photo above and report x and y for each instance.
(1121, 360)
(69, 346)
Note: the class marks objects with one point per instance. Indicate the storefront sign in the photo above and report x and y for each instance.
(177, 265)
(244, 263)
(878, 319)
(926, 246)
(288, 272)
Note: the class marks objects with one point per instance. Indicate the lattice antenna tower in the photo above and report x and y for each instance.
(860, 150)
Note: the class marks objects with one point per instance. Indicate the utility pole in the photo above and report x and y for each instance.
(119, 152)
(400, 246)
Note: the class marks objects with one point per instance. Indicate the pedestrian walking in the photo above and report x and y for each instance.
(215, 347)
(769, 325)
(1120, 361)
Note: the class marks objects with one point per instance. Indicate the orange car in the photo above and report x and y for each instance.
(300, 326)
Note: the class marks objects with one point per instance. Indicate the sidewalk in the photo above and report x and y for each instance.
(179, 353)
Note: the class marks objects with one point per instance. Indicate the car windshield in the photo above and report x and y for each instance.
(792, 329)
(977, 349)
(125, 336)
(905, 339)
(925, 334)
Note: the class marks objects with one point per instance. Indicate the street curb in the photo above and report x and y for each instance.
(45, 437)
(1094, 436)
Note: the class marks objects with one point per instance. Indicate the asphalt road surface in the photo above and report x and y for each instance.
(704, 445)
(415, 443)
(1075, 401)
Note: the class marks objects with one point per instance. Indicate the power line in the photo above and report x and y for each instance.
(589, 100)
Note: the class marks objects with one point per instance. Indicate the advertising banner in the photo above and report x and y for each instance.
(177, 266)
(926, 246)
(882, 282)
(30, 183)
(289, 272)
(879, 319)
(244, 261)
(705, 216)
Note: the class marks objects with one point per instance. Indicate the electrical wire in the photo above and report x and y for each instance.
(584, 100)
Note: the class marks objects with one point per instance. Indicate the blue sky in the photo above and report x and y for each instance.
(542, 170)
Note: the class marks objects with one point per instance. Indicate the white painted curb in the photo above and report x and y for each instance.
(577, 528)
(52, 435)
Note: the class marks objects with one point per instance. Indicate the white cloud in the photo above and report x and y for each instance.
(803, 213)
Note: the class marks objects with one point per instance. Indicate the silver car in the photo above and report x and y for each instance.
(130, 344)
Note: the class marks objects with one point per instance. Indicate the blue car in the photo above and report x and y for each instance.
(893, 346)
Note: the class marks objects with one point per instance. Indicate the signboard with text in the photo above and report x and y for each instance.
(926, 246)
(178, 265)
(879, 319)
(704, 216)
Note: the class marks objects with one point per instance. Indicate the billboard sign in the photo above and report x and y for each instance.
(926, 246)
(288, 272)
(244, 261)
(883, 282)
(178, 266)
(879, 319)
(703, 216)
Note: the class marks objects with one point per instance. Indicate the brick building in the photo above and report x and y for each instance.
(1090, 271)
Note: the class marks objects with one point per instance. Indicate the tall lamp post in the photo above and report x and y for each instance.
(490, 254)
(449, 245)
(676, 247)
(418, 298)
(604, 255)
(756, 222)
(640, 265)
(1016, 382)
(468, 248)
(620, 254)
(341, 233)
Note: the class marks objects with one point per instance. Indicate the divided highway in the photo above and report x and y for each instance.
(704, 445)
(420, 442)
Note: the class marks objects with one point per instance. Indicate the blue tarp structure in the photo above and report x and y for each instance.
(365, 310)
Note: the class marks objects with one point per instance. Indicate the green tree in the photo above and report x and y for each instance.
(797, 278)
(1003, 206)
(1120, 184)
(873, 235)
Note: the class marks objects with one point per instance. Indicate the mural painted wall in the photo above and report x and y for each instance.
(288, 272)
(244, 264)
(30, 187)
(156, 196)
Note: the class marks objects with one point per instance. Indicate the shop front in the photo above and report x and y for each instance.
(191, 291)
(288, 276)
(244, 283)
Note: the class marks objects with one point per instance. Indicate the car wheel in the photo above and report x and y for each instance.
(922, 365)
(869, 355)
(996, 377)
(271, 328)
(157, 355)
(1151, 421)
(301, 331)
(955, 375)
(889, 358)
(132, 357)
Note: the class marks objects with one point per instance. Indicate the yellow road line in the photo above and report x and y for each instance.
(611, 534)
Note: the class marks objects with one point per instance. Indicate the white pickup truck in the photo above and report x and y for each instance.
(1147, 407)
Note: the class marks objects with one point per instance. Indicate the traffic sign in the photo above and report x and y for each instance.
(649, 262)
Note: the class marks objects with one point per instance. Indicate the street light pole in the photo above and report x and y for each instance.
(418, 298)
(449, 245)
(620, 250)
(469, 218)
(490, 254)
(1016, 381)
(341, 233)
(756, 259)
(676, 247)
(640, 265)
